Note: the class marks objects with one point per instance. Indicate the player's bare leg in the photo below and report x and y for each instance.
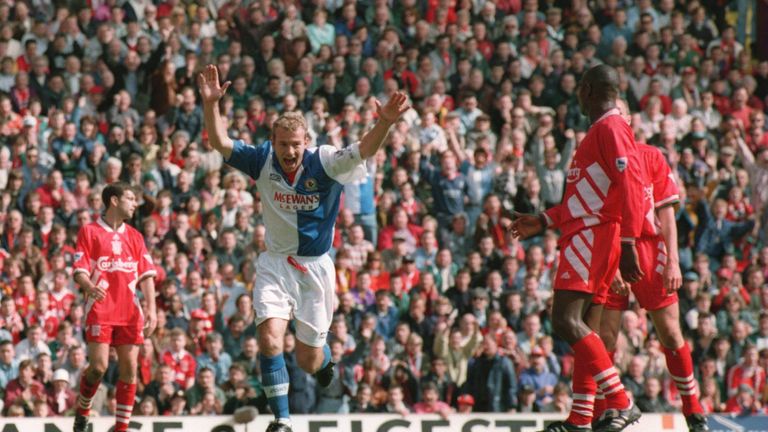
(271, 334)
(98, 360)
(125, 391)
(313, 359)
(677, 353)
(592, 368)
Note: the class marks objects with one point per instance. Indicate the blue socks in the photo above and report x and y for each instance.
(275, 377)
(326, 356)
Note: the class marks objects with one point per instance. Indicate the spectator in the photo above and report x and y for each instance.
(430, 402)
(652, 400)
(538, 378)
(61, 399)
(9, 365)
(24, 389)
(491, 380)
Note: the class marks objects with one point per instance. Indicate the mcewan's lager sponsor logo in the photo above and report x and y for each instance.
(120, 265)
(292, 201)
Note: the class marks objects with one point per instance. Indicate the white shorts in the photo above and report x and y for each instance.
(283, 291)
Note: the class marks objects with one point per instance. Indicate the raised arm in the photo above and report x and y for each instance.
(388, 115)
(568, 151)
(747, 157)
(215, 124)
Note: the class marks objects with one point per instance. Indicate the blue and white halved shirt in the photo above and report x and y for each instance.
(300, 217)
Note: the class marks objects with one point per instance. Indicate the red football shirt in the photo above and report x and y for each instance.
(659, 188)
(183, 365)
(604, 182)
(61, 302)
(118, 260)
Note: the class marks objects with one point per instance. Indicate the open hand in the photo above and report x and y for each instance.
(526, 225)
(210, 88)
(98, 291)
(395, 107)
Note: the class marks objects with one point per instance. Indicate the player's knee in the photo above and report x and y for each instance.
(671, 338)
(128, 376)
(95, 373)
(269, 345)
(309, 362)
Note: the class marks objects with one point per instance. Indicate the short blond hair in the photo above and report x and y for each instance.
(290, 121)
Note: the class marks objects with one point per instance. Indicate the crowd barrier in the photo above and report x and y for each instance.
(376, 423)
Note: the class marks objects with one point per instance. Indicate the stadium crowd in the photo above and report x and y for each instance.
(439, 308)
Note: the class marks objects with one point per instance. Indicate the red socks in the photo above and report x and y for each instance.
(600, 404)
(590, 352)
(125, 394)
(583, 395)
(680, 366)
(85, 398)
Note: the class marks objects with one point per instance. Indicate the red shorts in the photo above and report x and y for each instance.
(589, 260)
(649, 291)
(114, 335)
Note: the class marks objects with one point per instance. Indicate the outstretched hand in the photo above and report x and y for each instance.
(394, 108)
(526, 225)
(210, 88)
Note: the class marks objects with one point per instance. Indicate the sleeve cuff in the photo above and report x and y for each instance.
(548, 220)
(673, 199)
(235, 148)
(80, 270)
(628, 240)
(146, 274)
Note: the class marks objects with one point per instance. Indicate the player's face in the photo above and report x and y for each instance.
(127, 204)
(289, 147)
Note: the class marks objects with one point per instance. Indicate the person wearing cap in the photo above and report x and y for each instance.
(392, 258)
(727, 286)
(61, 398)
(538, 377)
(177, 405)
(689, 291)
(465, 402)
(687, 89)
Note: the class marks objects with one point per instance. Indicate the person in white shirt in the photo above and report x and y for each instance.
(33, 345)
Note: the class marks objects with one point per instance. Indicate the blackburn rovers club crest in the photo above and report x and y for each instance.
(117, 246)
(310, 184)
